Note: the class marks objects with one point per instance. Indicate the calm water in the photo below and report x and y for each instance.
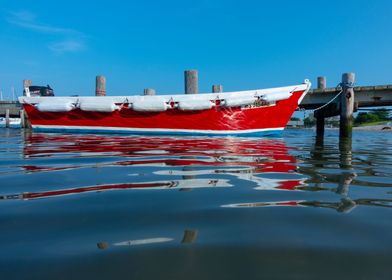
(128, 207)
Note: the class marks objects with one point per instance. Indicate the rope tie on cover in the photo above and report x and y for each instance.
(125, 102)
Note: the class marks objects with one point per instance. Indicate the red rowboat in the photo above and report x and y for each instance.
(253, 112)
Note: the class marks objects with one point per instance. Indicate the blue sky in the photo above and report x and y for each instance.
(239, 44)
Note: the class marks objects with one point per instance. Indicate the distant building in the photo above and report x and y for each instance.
(295, 124)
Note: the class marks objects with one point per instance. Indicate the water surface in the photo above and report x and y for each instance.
(136, 207)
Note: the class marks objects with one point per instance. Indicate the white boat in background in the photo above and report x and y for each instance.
(14, 122)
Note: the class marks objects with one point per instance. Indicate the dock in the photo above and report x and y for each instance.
(365, 96)
(13, 108)
(343, 101)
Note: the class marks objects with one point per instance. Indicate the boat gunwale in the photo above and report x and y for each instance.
(167, 98)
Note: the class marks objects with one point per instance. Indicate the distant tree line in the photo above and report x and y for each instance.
(378, 115)
(309, 121)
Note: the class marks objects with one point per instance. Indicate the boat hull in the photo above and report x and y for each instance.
(219, 120)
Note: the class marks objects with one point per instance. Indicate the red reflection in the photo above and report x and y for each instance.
(34, 195)
(240, 157)
(263, 155)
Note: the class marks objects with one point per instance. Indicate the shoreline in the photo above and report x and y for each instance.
(379, 127)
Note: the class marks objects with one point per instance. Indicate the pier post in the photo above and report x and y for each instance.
(102, 245)
(320, 117)
(320, 123)
(217, 88)
(321, 82)
(100, 86)
(346, 154)
(149, 91)
(347, 105)
(317, 152)
(7, 117)
(191, 81)
(26, 83)
(22, 119)
(190, 236)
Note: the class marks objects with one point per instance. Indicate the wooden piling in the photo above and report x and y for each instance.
(7, 117)
(26, 83)
(22, 119)
(317, 152)
(320, 124)
(27, 123)
(346, 154)
(149, 91)
(320, 115)
(102, 245)
(217, 88)
(321, 82)
(190, 236)
(191, 81)
(347, 105)
(100, 86)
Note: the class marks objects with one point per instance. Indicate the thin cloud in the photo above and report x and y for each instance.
(28, 20)
(66, 46)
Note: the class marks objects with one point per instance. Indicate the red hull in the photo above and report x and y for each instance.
(218, 120)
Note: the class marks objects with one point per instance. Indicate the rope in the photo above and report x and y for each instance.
(122, 105)
(329, 102)
(346, 85)
(342, 87)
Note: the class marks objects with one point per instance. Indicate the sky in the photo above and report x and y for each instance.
(148, 44)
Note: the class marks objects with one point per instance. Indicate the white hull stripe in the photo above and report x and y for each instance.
(153, 130)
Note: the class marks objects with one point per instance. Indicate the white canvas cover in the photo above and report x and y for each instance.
(273, 97)
(238, 101)
(191, 105)
(150, 105)
(96, 106)
(57, 106)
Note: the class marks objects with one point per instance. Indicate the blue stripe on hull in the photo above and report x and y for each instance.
(264, 133)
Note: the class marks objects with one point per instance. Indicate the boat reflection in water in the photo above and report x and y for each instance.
(342, 182)
(188, 162)
(190, 236)
(159, 185)
(147, 241)
(345, 205)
